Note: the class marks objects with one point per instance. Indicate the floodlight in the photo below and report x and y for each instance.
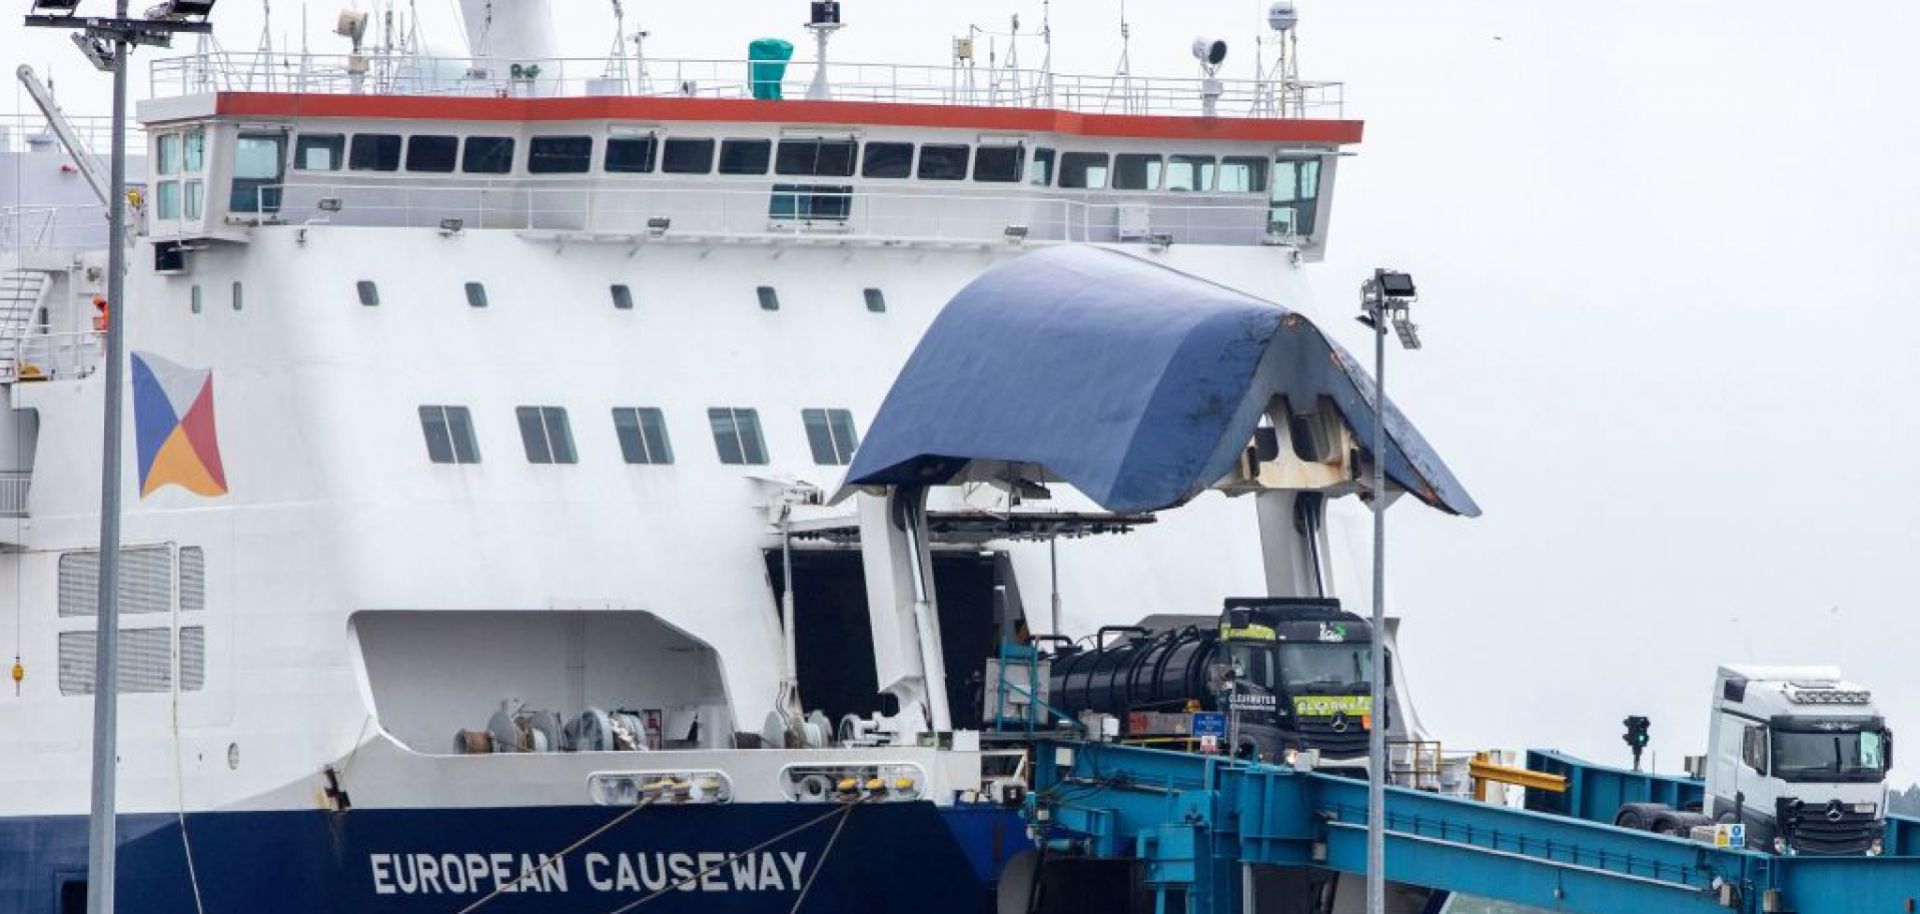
(1282, 16)
(1160, 241)
(98, 52)
(352, 25)
(1016, 235)
(1394, 284)
(825, 13)
(181, 10)
(1211, 52)
(52, 7)
(658, 225)
(452, 225)
(327, 204)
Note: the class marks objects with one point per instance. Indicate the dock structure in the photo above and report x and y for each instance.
(1201, 826)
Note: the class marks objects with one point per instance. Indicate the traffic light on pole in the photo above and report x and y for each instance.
(1636, 736)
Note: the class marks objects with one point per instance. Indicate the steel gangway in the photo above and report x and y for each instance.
(1194, 822)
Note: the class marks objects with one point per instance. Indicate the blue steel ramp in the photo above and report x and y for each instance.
(1194, 820)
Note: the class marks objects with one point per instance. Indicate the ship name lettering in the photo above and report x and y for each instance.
(705, 871)
(459, 874)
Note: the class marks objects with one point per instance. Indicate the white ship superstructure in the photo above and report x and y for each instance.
(478, 385)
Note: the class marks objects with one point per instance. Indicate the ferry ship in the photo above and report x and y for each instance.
(478, 553)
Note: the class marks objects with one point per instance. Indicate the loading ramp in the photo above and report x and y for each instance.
(1194, 821)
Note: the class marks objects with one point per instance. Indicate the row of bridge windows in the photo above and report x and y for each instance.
(547, 436)
(992, 163)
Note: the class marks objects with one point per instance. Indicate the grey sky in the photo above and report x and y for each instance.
(1670, 347)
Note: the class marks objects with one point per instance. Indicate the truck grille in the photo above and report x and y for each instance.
(1320, 733)
(1829, 829)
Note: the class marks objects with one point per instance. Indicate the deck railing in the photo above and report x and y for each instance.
(51, 228)
(54, 356)
(816, 211)
(374, 74)
(29, 132)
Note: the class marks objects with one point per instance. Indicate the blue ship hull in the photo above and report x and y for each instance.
(896, 857)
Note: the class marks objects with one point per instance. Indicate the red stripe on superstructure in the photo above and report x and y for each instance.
(736, 110)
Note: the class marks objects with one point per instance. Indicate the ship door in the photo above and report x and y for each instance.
(259, 169)
(834, 646)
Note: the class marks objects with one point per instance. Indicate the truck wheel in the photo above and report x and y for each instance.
(1640, 816)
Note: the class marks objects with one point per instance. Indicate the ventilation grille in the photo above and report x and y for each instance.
(193, 657)
(193, 579)
(146, 581)
(146, 661)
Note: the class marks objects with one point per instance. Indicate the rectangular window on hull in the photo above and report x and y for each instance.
(643, 435)
(319, 151)
(687, 157)
(487, 155)
(1137, 171)
(1083, 170)
(545, 433)
(822, 158)
(944, 163)
(999, 164)
(830, 435)
(622, 297)
(559, 155)
(434, 154)
(888, 160)
(736, 433)
(449, 432)
(745, 157)
(374, 152)
(630, 155)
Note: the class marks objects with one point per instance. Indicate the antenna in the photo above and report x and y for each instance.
(1279, 93)
(1046, 41)
(823, 22)
(1123, 73)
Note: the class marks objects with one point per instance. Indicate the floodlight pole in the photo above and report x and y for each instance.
(1377, 733)
(103, 840)
(120, 34)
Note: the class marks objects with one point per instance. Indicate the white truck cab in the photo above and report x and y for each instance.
(1800, 756)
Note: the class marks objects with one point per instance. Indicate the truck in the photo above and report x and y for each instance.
(1279, 675)
(1797, 757)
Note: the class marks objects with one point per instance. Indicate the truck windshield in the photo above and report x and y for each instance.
(1813, 756)
(1316, 666)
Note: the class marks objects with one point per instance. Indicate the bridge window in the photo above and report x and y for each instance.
(259, 162)
(888, 160)
(193, 150)
(166, 199)
(1295, 199)
(1241, 174)
(1191, 173)
(687, 157)
(940, 162)
(745, 157)
(319, 151)
(1137, 171)
(630, 155)
(476, 295)
(432, 153)
(823, 158)
(736, 433)
(196, 199)
(166, 154)
(876, 300)
(1083, 170)
(487, 155)
(1040, 170)
(643, 435)
(558, 155)
(622, 297)
(374, 152)
(999, 164)
(368, 291)
(546, 435)
(449, 431)
(830, 435)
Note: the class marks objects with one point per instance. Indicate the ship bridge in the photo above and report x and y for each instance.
(725, 151)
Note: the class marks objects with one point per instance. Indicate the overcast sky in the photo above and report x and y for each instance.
(1670, 347)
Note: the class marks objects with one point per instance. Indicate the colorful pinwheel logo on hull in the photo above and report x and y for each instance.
(173, 422)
